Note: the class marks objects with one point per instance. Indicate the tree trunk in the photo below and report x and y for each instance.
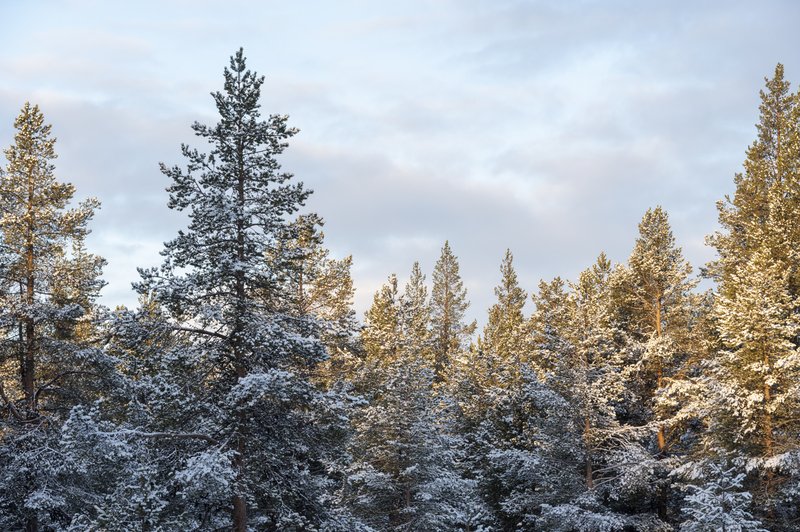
(662, 441)
(21, 335)
(239, 502)
(587, 427)
(29, 363)
(768, 439)
(663, 492)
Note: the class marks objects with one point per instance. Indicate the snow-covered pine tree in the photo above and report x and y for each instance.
(314, 283)
(763, 208)
(658, 305)
(49, 362)
(751, 399)
(250, 433)
(382, 335)
(405, 473)
(483, 381)
(495, 359)
(319, 287)
(506, 334)
(617, 469)
(531, 438)
(755, 381)
(448, 306)
(716, 500)
(550, 327)
(416, 317)
(591, 380)
(129, 479)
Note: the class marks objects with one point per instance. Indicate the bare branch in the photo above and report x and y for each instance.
(171, 435)
(199, 331)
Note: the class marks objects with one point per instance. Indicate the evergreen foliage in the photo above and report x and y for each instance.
(448, 306)
(232, 399)
(49, 355)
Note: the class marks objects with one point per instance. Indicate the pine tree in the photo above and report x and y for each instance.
(416, 316)
(319, 287)
(763, 208)
(77, 281)
(448, 306)
(751, 384)
(551, 327)
(617, 468)
(382, 333)
(717, 501)
(476, 378)
(314, 283)
(37, 227)
(506, 334)
(405, 473)
(253, 432)
(590, 380)
(531, 438)
(50, 284)
(657, 289)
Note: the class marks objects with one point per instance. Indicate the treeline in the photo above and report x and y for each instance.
(242, 392)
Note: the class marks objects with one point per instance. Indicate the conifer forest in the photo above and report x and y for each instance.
(242, 392)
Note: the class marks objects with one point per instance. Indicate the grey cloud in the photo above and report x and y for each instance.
(548, 128)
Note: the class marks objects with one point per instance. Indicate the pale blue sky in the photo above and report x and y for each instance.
(546, 127)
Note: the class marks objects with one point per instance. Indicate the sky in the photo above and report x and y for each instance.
(548, 128)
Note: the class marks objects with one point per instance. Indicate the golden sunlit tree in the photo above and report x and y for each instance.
(50, 284)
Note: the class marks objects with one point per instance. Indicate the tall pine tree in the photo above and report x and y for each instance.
(50, 284)
(253, 431)
(751, 384)
(507, 332)
(448, 305)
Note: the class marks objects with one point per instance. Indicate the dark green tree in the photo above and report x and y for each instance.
(248, 416)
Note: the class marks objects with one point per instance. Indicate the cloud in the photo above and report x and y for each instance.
(547, 128)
